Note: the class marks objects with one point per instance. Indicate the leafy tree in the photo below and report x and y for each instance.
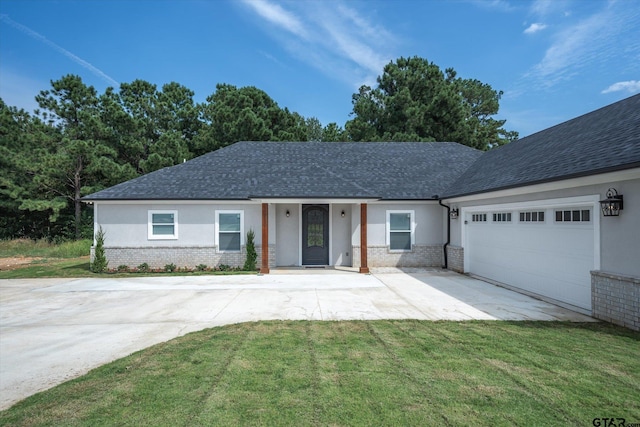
(314, 129)
(234, 114)
(154, 128)
(79, 160)
(23, 140)
(415, 101)
(334, 133)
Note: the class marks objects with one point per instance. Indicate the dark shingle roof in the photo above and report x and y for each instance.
(604, 140)
(386, 170)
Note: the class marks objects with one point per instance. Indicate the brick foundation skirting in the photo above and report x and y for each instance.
(455, 258)
(190, 257)
(616, 299)
(381, 256)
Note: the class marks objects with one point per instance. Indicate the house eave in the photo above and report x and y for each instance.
(620, 173)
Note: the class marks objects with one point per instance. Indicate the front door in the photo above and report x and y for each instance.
(315, 234)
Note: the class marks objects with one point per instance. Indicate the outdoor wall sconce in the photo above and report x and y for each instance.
(288, 214)
(612, 205)
(454, 214)
(342, 213)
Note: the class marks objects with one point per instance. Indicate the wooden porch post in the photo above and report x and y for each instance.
(364, 268)
(264, 268)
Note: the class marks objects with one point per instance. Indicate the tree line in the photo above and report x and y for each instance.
(80, 141)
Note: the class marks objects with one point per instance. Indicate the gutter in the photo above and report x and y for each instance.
(446, 261)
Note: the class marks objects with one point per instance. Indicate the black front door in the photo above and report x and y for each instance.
(315, 234)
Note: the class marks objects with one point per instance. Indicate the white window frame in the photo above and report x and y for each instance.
(532, 214)
(150, 224)
(217, 229)
(572, 211)
(501, 217)
(412, 214)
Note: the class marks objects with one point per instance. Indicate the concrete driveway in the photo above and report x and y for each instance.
(52, 330)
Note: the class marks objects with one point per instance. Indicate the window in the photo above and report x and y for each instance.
(479, 217)
(536, 216)
(575, 215)
(400, 228)
(502, 217)
(230, 230)
(163, 225)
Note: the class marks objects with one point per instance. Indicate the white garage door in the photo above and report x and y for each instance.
(545, 251)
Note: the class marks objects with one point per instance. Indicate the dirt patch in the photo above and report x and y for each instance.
(15, 262)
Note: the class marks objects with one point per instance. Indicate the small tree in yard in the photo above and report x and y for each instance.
(100, 262)
(252, 255)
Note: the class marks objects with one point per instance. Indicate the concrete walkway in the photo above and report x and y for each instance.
(52, 330)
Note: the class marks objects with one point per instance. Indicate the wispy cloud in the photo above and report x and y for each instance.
(589, 42)
(534, 28)
(500, 5)
(631, 86)
(37, 36)
(275, 14)
(333, 37)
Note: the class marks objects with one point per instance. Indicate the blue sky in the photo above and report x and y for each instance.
(554, 60)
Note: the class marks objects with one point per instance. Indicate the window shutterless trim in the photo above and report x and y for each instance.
(412, 228)
(150, 225)
(218, 231)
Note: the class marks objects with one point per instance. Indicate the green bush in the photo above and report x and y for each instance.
(100, 263)
(143, 268)
(170, 268)
(252, 255)
(123, 268)
(201, 267)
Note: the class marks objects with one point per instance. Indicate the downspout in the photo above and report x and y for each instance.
(446, 263)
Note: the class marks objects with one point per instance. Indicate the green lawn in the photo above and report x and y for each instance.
(359, 373)
(67, 259)
(42, 248)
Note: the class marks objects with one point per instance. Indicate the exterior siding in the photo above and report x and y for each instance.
(619, 236)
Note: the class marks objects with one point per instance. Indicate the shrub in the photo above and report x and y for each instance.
(123, 269)
(170, 268)
(201, 267)
(100, 262)
(144, 268)
(252, 255)
(224, 267)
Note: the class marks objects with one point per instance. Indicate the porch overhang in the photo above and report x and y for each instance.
(313, 200)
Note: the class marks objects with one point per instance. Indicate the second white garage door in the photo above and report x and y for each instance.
(544, 251)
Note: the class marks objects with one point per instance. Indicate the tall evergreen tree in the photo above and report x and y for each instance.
(415, 101)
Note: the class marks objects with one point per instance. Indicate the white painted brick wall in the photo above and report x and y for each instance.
(616, 299)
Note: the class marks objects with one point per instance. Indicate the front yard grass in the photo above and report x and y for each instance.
(359, 373)
(40, 259)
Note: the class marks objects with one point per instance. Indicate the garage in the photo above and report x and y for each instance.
(546, 248)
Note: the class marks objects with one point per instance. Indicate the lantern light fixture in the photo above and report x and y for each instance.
(612, 205)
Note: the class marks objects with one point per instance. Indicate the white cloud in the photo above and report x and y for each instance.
(588, 43)
(631, 86)
(334, 37)
(534, 28)
(28, 31)
(275, 14)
